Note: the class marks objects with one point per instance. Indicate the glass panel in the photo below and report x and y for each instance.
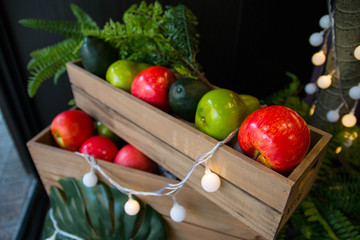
(16, 185)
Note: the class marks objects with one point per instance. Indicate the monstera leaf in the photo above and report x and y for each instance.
(98, 213)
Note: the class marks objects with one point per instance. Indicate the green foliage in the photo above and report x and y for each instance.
(149, 33)
(50, 61)
(157, 36)
(98, 213)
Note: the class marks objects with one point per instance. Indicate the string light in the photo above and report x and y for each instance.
(132, 207)
(210, 182)
(318, 58)
(324, 81)
(334, 115)
(325, 21)
(357, 52)
(90, 179)
(316, 39)
(354, 92)
(310, 88)
(349, 120)
(312, 109)
(338, 150)
(177, 212)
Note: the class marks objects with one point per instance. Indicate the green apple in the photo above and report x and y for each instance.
(104, 131)
(251, 102)
(219, 112)
(122, 73)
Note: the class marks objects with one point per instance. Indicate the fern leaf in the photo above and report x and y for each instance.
(313, 215)
(39, 76)
(52, 64)
(63, 28)
(59, 73)
(343, 192)
(52, 53)
(85, 21)
(340, 224)
(180, 27)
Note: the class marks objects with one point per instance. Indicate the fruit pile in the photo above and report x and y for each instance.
(274, 136)
(74, 130)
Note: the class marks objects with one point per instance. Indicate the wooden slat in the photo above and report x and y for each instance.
(253, 212)
(254, 194)
(227, 162)
(306, 173)
(53, 163)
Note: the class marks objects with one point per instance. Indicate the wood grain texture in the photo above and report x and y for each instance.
(203, 216)
(251, 211)
(227, 162)
(251, 193)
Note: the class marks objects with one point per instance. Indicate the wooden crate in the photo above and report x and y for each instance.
(203, 216)
(259, 197)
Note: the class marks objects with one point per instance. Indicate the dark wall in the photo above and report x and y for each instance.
(246, 46)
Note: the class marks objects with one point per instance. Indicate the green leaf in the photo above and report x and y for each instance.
(85, 21)
(50, 62)
(98, 213)
(63, 28)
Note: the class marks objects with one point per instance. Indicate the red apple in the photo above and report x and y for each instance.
(278, 134)
(99, 147)
(129, 156)
(71, 128)
(152, 86)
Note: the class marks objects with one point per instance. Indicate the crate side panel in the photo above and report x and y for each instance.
(227, 162)
(53, 163)
(305, 181)
(245, 207)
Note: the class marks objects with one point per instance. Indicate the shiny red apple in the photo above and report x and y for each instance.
(129, 156)
(152, 86)
(278, 134)
(99, 147)
(71, 128)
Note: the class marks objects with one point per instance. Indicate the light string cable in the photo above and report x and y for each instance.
(59, 231)
(173, 188)
(332, 24)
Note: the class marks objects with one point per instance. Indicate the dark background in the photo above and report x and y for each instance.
(246, 46)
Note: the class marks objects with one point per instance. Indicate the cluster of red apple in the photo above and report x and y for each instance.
(75, 130)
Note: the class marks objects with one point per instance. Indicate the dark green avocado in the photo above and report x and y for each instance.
(184, 96)
(97, 55)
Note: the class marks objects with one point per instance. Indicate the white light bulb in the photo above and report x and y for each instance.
(132, 207)
(325, 21)
(349, 120)
(318, 58)
(90, 179)
(324, 81)
(210, 182)
(333, 116)
(177, 213)
(357, 52)
(354, 92)
(310, 88)
(316, 39)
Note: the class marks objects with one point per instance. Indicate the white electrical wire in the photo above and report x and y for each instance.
(172, 188)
